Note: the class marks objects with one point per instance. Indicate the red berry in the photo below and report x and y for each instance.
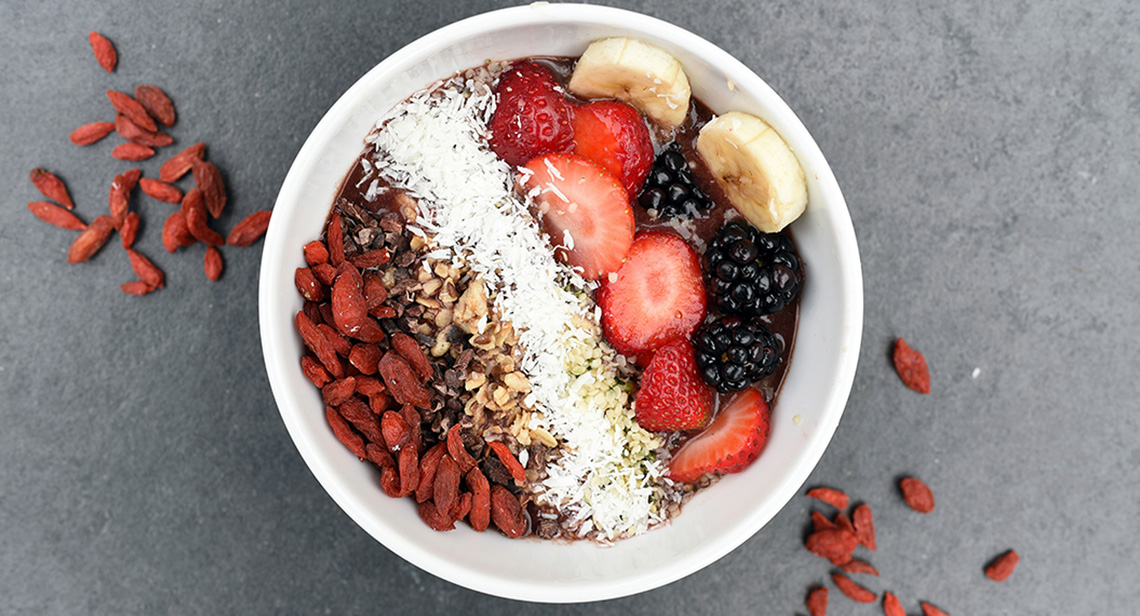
(672, 395)
(614, 135)
(583, 209)
(531, 118)
(732, 442)
(657, 297)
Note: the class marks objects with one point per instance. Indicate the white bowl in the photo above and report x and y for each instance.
(714, 522)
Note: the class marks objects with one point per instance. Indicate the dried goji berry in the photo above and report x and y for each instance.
(318, 344)
(402, 382)
(378, 455)
(340, 343)
(859, 566)
(853, 591)
(409, 463)
(912, 368)
(434, 518)
(208, 179)
(1002, 567)
(864, 526)
(308, 286)
(480, 514)
(347, 300)
(212, 263)
(134, 133)
(930, 610)
(90, 240)
(917, 495)
(146, 271)
(249, 229)
(314, 371)
(325, 273)
(181, 162)
(390, 480)
(457, 450)
(507, 513)
(119, 195)
(891, 605)
(194, 209)
(132, 151)
(338, 391)
(372, 258)
(370, 331)
(91, 132)
(817, 602)
(136, 287)
(380, 403)
(56, 215)
(461, 507)
(410, 350)
(375, 293)
(508, 459)
(446, 487)
(428, 465)
(364, 357)
(395, 429)
(412, 418)
(104, 51)
(315, 252)
(51, 187)
(369, 386)
(831, 496)
(362, 418)
(162, 191)
(130, 229)
(335, 240)
(124, 104)
(843, 522)
(835, 545)
(174, 232)
(344, 432)
(156, 103)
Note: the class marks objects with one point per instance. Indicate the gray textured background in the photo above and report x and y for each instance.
(990, 156)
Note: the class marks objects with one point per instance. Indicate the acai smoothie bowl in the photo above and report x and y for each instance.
(560, 303)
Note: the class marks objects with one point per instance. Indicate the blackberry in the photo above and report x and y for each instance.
(670, 187)
(733, 353)
(751, 273)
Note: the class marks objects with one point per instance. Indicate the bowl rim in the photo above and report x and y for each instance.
(850, 273)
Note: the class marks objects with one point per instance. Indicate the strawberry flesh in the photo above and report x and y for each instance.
(672, 395)
(532, 117)
(615, 136)
(732, 441)
(656, 297)
(583, 209)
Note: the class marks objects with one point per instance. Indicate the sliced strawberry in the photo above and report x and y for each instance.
(655, 298)
(732, 442)
(615, 136)
(672, 395)
(532, 117)
(583, 209)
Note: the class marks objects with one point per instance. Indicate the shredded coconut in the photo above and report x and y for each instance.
(606, 478)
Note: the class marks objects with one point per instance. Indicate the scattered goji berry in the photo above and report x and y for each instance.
(90, 240)
(859, 566)
(162, 191)
(891, 605)
(91, 132)
(181, 162)
(124, 104)
(51, 187)
(156, 103)
(53, 214)
(212, 263)
(853, 591)
(1002, 567)
(104, 51)
(831, 496)
(864, 526)
(817, 602)
(917, 495)
(249, 229)
(912, 368)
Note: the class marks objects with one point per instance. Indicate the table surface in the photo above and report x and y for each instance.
(990, 157)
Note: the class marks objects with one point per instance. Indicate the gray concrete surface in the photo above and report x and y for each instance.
(990, 155)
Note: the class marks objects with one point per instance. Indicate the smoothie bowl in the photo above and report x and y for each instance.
(558, 309)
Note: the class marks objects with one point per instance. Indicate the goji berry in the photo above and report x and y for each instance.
(817, 602)
(1002, 567)
(912, 368)
(917, 495)
(853, 591)
(831, 496)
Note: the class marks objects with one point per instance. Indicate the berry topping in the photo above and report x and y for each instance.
(531, 118)
(732, 442)
(670, 188)
(583, 209)
(752, 273)
(672, 395)
(614, 135)
(733, 353)
(655, 298)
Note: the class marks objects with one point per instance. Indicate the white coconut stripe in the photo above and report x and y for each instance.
(434, 146)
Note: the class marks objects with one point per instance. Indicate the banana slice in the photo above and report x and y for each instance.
(759, 173)
(643, 75)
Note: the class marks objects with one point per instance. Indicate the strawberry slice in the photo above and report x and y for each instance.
(583, 209)
(673, 396)
(614, 135)
(732, 442)
(657, 297)
(532, 117)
